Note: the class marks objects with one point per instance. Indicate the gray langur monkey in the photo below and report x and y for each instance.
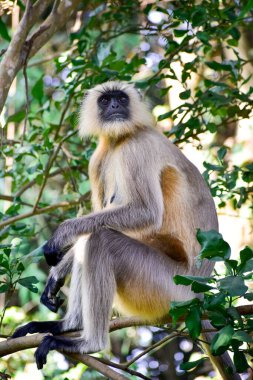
(148, 202)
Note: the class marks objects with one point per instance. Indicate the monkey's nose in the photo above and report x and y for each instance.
(115, 104)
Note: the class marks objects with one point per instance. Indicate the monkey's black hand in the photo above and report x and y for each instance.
(49, 298)
(47, 344)
(52, 255)
(60, 242)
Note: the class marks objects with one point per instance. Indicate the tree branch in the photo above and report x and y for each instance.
(16, 55)
(95, 363)
(39, 211)
(11, 198)
(9, 346)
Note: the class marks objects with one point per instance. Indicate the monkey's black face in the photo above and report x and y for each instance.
(114, 106)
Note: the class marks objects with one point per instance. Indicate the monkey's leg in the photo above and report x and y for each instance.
(73, 318)
(113, 261)
(58, 327)
(55, 281)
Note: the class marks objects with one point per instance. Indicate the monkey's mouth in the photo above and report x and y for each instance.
(117, 116)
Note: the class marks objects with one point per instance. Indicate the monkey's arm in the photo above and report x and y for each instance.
(144, 209)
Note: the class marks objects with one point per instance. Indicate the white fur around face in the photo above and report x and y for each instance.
(91, 124)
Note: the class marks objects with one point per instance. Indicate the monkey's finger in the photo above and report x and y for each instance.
(45, 346)
(41, 356)
(51, 301)
(19, 332)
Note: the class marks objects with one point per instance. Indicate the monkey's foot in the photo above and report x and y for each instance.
(47, 344)
(29, 328)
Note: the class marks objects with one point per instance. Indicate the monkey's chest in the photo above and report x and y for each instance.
(115, 193)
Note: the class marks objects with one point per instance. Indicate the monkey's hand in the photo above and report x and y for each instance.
(53, 255)
(49, 298)
(59, 244)
(64, 237)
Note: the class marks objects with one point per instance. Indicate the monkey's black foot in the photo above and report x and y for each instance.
(29, 328)
(47, 344)
(52, 303)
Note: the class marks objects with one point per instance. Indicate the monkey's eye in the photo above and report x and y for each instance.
(104, 100)
(123, 99)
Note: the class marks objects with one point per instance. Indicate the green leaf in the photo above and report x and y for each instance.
(231, 265)
(199, 17)
(38, 89)
(217, 318)
(213, 246)
(233, 285)
(203, 37)
(199, 284)
(4, 31)
(190, 365)
(4, 288)
(222, 340)
(17, 117)
(233, 312)
(234, 32)
(245, 267)
(217, 168)
(147, 9)
(215, 300)
(211, 127)
(28, 282)
(178, 309)
(248, 296)
(222, 153)
(242, 336)
(246, 254)
(200, 288)
(219, 66)
(193, 322)
(185, 94)
(180, 32)
(165, 115)
(240, 362)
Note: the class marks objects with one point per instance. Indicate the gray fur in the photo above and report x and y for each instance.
(142, 187)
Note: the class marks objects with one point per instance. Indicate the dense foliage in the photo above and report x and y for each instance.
(196, 47)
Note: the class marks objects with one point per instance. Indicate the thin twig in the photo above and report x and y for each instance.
(28, 46)
(162, 342)
(51, 160)
(53, 174)
(96, 364)
(125, 366)
(11, 198)
(39, 211)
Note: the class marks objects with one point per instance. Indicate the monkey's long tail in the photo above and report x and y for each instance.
(222, 362)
